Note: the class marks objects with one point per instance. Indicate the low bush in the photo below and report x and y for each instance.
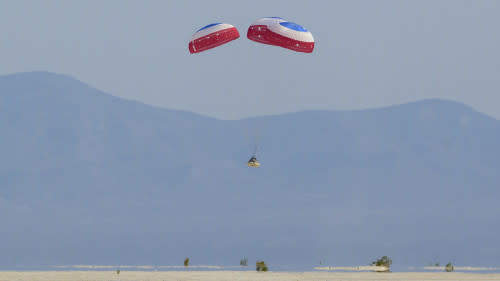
(261, 266)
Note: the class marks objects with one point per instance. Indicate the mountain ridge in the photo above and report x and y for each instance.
(104, 180)
(43, 76)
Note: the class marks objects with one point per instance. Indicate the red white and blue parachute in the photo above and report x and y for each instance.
(280, 32)
(211, 36)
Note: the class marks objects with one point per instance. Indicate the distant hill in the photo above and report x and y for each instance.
(89, 178)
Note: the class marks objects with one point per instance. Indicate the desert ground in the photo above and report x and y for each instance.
(235, 276)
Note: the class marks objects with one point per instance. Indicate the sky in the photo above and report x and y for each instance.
(367, 53)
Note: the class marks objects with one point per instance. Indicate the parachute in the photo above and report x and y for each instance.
(277, 31)
(273, 31)
(211, 36)
(258, 30)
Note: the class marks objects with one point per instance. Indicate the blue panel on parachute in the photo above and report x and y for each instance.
(294, 26)
(207, 26)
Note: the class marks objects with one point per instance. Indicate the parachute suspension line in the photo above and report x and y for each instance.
(254, 154)
(253, 162)
(256, 141)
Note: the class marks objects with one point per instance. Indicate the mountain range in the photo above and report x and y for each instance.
(90, 178)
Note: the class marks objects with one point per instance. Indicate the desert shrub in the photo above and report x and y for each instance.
(449, 267)
(186, 262)
(244, 262)
(383, 261)
(118, 272)
(261, 266)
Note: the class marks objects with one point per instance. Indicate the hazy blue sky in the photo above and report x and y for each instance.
(368, 53)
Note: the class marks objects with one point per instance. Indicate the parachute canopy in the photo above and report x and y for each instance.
(211, 36)
(280, 32)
